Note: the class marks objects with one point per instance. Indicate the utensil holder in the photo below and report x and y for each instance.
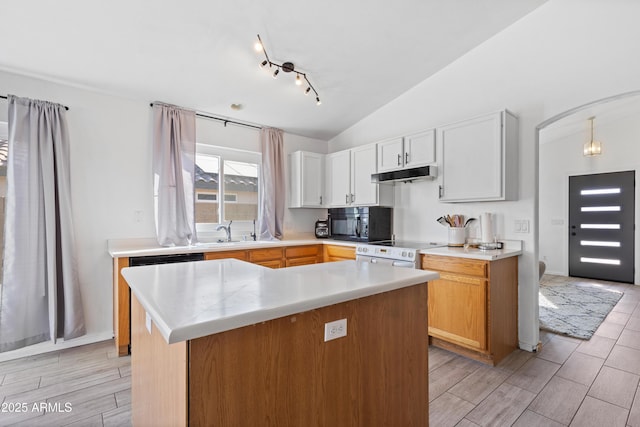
(457, 236)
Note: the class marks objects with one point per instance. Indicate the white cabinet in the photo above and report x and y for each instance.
(339, 178)
(306, 183)
(412, 151)
(479, 159)
(349, 179)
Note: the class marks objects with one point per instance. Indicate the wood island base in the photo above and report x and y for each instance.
(282, 372)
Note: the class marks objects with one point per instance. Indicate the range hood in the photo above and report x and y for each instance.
(405, 175)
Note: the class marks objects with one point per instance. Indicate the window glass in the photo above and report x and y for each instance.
(238, 172)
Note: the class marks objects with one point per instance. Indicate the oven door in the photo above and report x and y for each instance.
(386, 261)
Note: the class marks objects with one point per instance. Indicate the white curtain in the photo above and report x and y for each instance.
(273, 184)
(174, 152)
(40, 289)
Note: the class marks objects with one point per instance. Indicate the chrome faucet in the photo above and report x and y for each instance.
(226, 229)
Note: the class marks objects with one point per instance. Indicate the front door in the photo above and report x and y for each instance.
(601, 226)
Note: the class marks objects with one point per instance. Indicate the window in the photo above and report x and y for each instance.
(238, 171)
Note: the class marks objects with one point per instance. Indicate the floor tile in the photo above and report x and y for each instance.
(559, 400)
(438, 357)
(596, 413)
(478, 385)
(466, 423)
(624, 358)
(515, 360)
(581, 368)
(618, 317)
(609, 330)
(123, 397)
(625, 307)
(557, 350)
(443, 378)
(119, 417)
(634, 415)
(502, 407)
(634, 322)
(615, 386)
(533, 375)
(630, 338)
(448, 410)
(531, 419)
(597, 346)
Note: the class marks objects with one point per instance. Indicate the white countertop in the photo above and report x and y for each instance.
(511, 248)
(194, 299)
(143, 247)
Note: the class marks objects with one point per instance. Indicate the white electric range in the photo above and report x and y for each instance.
(397, 253)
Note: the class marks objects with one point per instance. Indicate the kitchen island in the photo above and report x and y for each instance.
(227, 342)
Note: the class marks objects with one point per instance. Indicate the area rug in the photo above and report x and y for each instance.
(575, 310)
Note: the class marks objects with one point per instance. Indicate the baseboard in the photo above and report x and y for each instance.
(48, 346)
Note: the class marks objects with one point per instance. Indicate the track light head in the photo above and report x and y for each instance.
(298, 80)
(275, 73)
(318, 102)
(306, 92)
(264, 63)
(258, 46)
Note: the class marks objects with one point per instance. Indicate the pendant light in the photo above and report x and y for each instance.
(592, 148)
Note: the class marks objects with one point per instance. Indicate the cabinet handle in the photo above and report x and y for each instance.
(353, 197)
(399, 159)
(440, 191)
(346, 199)
(320, 199)
(406, 158)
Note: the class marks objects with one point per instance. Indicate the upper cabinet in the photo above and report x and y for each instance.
(306, 183)
(412, 151)
(349, 179)
(479, 159)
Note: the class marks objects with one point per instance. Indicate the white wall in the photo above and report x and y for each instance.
(561, 157)
(564, 54)
(111, 178)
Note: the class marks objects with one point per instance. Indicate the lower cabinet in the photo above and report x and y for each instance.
(241, 255)
(269, 257)
(303, 255)
(473, 306)
(338, 253)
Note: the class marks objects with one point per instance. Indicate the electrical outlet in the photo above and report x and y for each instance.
(335, 329)
(517, 226)
(524, 226)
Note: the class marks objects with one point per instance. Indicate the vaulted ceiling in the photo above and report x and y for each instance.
(199, 54)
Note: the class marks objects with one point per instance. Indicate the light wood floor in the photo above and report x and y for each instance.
(569, 382)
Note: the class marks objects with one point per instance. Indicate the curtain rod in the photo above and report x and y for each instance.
(6, 97)
(207, 116)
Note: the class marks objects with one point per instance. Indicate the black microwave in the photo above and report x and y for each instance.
(363, 224)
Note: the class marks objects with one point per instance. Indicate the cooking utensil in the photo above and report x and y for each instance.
(468, 221)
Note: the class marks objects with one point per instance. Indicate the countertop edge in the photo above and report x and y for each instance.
(181, 333)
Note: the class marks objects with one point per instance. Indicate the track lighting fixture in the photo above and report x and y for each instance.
(287, 67)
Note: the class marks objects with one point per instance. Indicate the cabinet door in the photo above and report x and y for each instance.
(458, 310)
(420, 149)
(338, 253)
(472, 159)
(306, 179)
(338, 178)
(363, 164)
(390, 155)
(312, 179)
